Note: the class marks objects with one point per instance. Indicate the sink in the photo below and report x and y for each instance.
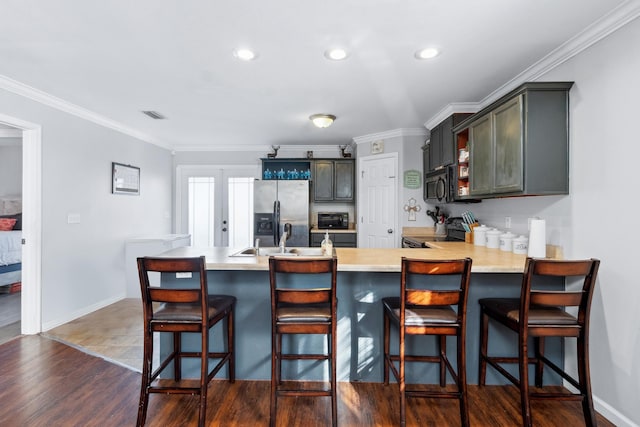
(307, 251)
(274, 251)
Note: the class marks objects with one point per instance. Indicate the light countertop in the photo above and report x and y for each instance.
(485, 260)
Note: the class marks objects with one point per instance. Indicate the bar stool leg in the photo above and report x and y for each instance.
(334, 391)
(275, 378)
(146, 373)
(177, 361)
(401, 383)
(523, 364)
(585, 381)
(442, 350)
(231, 347)
(386, 332)
(462, 379)
(539, 348)
(484, 337)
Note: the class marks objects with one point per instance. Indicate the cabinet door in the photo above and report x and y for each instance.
(508, 131)
(480, 156)
(323, 180)
(435, 148)
(446, 142)
(343, 185)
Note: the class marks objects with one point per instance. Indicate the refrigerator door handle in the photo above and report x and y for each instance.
(276, 222)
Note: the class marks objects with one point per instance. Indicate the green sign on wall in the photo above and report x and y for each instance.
(412, 179)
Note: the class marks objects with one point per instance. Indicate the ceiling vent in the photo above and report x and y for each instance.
(154, 115)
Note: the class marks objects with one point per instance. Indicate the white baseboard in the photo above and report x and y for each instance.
(82, 312)
(612, 414)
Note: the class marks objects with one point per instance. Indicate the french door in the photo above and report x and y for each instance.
(214, 204)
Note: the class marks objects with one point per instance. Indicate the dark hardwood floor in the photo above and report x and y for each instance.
(46, 383)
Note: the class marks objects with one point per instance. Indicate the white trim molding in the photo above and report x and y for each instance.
(617, 18)
(390, 134)
(44, 98)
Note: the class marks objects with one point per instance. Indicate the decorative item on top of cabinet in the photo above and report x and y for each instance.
(518, 145)
(284, 169)
(333, 180)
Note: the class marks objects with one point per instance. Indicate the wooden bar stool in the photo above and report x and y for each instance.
(422, 309)
(541, 314)
(307, 308)
(177, 311)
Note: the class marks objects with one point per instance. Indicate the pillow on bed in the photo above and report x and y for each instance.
(6, 224)
(17, 217)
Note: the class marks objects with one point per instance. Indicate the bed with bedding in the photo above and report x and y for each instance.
(10, 248)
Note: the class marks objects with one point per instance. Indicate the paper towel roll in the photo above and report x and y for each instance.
(537, 239)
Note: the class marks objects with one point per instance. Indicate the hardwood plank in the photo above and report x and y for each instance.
(46, 383)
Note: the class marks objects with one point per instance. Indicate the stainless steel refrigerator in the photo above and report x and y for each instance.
(278, 205)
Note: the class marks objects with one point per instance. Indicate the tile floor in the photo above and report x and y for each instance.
(113, 332)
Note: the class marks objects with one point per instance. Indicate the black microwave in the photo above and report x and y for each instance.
(337, 220)
(436, 186)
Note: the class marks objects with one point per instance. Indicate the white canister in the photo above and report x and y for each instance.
(493, 238)
(506, 241)
(480, 235)
(520, 245)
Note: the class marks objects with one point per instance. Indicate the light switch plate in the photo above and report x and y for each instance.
(73, 218)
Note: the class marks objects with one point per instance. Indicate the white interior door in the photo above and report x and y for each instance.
(378, 189)
(215, 204)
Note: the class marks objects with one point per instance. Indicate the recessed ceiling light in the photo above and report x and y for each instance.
(336, 54)
(428, 53)
(244, 54)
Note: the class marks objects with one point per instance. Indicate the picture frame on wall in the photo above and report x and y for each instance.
(125, 179)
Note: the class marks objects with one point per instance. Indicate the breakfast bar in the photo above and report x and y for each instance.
(365, 276)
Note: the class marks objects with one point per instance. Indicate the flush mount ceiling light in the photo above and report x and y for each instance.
(322, 120)
(336, 54)
(244, 54)
(428, 53)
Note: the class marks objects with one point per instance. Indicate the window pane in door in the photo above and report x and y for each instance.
(201, 210)
(240, 190)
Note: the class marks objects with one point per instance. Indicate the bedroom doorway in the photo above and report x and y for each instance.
(30, 304)
(10, 231)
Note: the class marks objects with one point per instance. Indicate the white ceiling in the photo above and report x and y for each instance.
(115, 58)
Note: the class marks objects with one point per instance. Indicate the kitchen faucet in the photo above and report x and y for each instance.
(256, 246)
(283, 239)
(285, 235)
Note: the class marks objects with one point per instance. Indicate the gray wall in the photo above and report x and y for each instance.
(10, 166)
(83, 264)
(592, 221)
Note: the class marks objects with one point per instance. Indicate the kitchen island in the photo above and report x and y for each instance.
(365, 276)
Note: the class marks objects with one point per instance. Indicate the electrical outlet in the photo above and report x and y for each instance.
(507, 222)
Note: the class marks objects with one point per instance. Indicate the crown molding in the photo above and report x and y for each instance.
(44, 98)
(390, 134)
(456, 107)
(253, 148)
(611, 22)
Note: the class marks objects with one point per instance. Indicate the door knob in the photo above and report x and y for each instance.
(390, 231)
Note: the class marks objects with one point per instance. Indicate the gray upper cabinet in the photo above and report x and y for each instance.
(441, 145)
(519, 145)
(333, 180)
